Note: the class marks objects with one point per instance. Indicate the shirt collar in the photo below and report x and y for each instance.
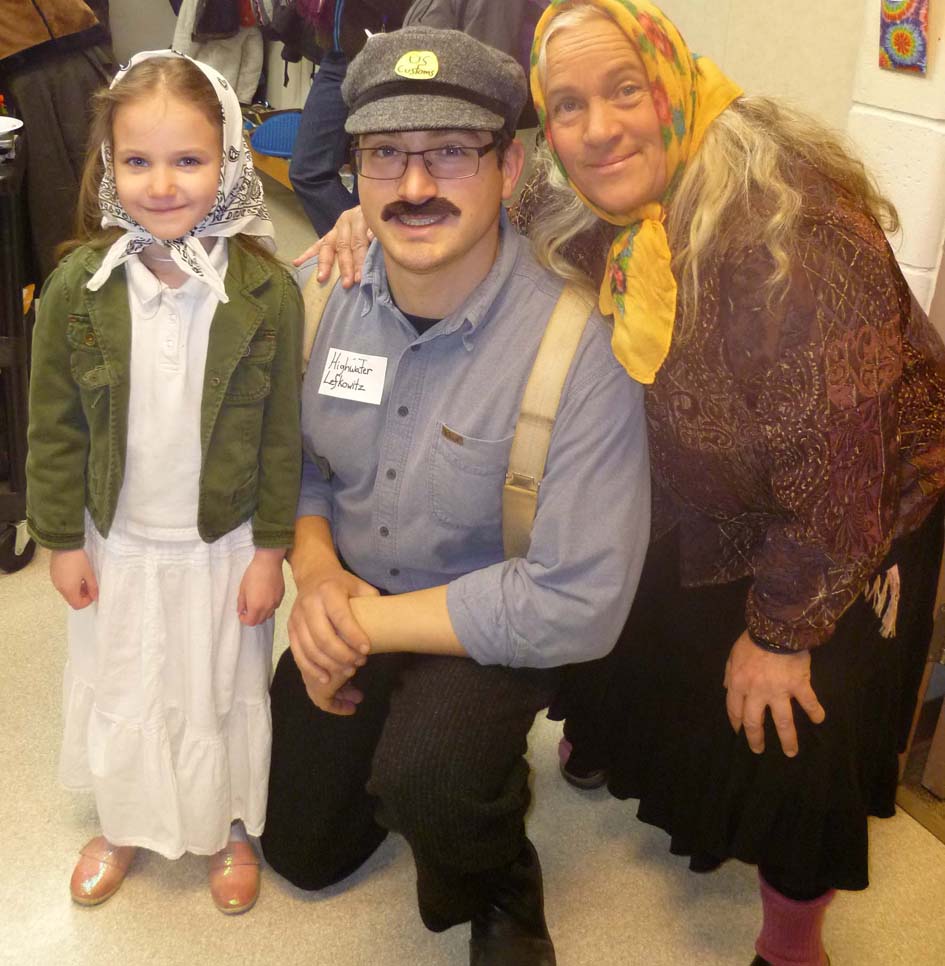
(148, 287)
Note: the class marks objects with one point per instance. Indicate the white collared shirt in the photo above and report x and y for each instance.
(170, 332)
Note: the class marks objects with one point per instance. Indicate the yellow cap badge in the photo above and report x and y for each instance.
(418, 65)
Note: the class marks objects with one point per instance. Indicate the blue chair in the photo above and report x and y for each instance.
(276, 135)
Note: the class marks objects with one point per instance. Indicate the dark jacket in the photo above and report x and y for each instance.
(27, 24)
(249, 423)
(342, 27)
(508, 26)
(496, 24)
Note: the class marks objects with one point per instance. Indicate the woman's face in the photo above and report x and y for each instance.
(603, 122)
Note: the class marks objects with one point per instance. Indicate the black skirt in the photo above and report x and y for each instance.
(653, 713)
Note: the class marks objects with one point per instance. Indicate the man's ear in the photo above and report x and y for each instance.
(512, 165)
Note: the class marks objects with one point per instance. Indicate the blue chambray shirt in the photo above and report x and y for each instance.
(413, 487)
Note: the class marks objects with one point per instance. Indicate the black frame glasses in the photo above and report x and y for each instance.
(429, 156)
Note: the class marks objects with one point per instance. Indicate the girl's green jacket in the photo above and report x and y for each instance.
(249, 418)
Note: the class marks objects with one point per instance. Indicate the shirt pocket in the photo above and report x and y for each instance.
(87, 364)
(467, 476)
(251, 381)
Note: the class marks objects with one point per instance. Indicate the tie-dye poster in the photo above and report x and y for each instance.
(904, 35)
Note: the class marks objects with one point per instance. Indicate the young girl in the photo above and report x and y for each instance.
(163, 474)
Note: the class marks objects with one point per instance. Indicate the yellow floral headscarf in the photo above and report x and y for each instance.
(689, 92)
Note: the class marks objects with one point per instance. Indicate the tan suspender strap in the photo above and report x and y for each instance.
(536, 417)
(316, 296)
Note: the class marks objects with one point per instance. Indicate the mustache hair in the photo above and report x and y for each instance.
(435, 206)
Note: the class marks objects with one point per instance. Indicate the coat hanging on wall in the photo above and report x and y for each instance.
(904, 35)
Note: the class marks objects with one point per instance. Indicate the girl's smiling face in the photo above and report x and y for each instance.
(602, 118)
(167, 158)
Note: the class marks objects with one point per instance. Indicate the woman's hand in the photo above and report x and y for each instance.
(347, 242)
(757, 679)
(262, 587)
(72, 575)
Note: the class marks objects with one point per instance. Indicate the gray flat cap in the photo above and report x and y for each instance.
(427, 79)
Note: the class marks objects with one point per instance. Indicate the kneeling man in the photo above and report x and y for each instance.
(419, 655)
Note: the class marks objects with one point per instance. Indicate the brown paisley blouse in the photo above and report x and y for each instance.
(794, 444)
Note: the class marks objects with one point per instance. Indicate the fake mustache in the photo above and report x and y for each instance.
(434, 207)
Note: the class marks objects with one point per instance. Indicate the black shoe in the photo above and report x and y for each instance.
(585, 780)
(576, 772)
(511, 930)
(703, 862)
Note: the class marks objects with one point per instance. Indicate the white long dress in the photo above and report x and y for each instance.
(165, 696)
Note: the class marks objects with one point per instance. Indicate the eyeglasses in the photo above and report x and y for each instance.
(386, 163)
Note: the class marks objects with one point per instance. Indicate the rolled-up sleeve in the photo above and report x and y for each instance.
(315, 495)
(568, 599)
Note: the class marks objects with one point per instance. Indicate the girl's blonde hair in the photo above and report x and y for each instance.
(745, 184)
(175, 76)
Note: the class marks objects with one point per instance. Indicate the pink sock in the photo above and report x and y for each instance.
(791, 931)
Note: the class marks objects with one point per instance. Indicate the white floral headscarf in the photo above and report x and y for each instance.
(238, 208)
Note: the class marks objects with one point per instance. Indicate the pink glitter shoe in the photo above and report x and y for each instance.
(234, 878)
(100, 871)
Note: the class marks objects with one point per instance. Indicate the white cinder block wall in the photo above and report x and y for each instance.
(804, 51)
(898, 122)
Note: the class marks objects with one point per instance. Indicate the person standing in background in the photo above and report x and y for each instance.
(322, 145)
(54, 54)
(225, 35)
(496, 24)
(508, 26)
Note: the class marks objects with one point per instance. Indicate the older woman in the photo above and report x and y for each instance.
(764, 681)
(757, 697)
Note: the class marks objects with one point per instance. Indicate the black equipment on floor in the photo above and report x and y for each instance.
(16, 327)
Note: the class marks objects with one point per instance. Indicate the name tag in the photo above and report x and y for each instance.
(353, 375)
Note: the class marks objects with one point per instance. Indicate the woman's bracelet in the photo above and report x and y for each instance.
(770, 645)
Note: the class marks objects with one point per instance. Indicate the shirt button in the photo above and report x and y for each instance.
(384, 532)
(402, 411)
(415, 348)
(394, 571)
(391, 474)
(215, 381)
